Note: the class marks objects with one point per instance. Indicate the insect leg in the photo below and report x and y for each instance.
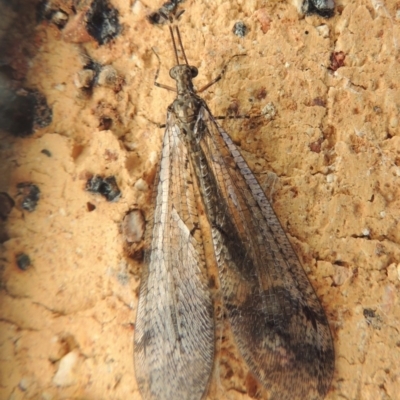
(215, 80)
(161, 85)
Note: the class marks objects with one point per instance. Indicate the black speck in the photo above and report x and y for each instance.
(372, 318)
(23, 261)
(93, 184)
(6, 205)
(323, 8)
(102, 21)
(240, 29)
(31, 195)
(107, 187)
(23, 111)
(110, 189)
(161, 16)
(46, 152)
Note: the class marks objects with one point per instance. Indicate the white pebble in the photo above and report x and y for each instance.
(323, 30)
(66, 373)
(141, 185)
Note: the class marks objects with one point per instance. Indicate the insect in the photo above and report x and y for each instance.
(277, 321)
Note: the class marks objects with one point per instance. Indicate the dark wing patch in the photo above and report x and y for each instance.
(277, 320)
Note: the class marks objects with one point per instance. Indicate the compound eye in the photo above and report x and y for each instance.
(194, 71)
(172, 73)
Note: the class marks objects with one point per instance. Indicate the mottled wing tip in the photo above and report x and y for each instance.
(323, 8)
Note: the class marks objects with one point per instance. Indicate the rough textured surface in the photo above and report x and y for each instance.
(328, 156)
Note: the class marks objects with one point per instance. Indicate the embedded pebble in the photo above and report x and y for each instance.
(133, 226)
(66, 373)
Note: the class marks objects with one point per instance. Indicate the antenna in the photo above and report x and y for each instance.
(180, 44)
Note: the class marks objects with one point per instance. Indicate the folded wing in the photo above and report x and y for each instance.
(277, 320)
(174, 332)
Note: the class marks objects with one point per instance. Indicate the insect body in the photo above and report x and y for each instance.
(278, 323)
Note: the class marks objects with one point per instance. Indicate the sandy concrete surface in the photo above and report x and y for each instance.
(327, 153)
